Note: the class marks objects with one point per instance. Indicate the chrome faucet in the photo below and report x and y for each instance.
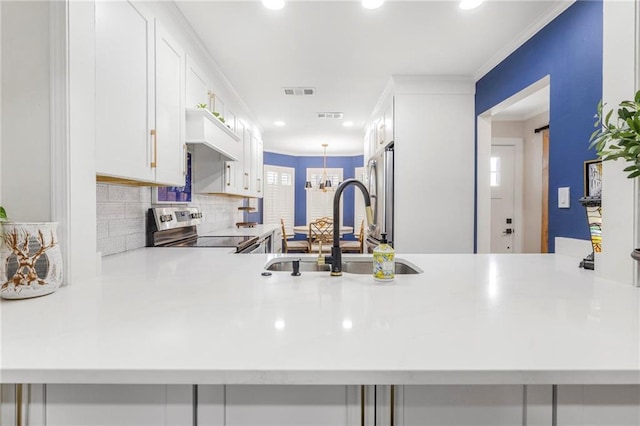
(336, 251)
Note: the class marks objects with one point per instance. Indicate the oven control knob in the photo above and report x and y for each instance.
(196, 215)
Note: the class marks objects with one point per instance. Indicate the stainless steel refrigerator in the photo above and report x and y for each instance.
(380, 182)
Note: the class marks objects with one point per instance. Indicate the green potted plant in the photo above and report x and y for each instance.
(3, 215)
(618, 136)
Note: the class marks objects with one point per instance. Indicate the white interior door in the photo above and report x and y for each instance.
(503, 209)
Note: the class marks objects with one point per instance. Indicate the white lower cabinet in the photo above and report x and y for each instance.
(119, 405)
(459, 405)
(598, 405)
(283, 405)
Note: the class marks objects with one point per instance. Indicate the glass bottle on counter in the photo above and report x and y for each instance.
(384, 267)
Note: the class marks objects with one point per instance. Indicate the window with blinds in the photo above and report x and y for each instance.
(320, 204)
(279, 196)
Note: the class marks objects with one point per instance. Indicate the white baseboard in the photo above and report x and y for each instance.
(573, 247)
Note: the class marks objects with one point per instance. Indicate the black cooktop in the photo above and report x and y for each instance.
(211, 241)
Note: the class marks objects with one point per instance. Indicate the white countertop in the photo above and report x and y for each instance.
(183, 315)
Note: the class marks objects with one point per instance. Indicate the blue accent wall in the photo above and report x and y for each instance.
(569, 50)
(300, 164)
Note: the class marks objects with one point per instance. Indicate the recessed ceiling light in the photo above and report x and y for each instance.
(470, 4)
(273, 4)
(348, 124)
(372, 4)
(279, 123)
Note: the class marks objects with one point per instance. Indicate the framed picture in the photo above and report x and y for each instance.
(174, 194)
(593, 178)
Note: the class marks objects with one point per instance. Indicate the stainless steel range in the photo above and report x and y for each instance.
(177, 227)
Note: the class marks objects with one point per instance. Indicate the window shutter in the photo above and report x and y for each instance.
(279, 196)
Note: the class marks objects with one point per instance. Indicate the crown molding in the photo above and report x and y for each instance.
(525, 35)
(212, 62)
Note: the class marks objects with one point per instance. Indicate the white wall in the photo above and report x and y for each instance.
(25, 171)
(0, 111)
(620, 233)
(507, 129)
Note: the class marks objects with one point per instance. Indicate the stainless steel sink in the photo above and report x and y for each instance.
(350, 265)
(286, 264)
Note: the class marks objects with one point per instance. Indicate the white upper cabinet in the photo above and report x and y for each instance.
(379, 132)
(197, 85)
(124, 85)
(202, 126)
(139, 90)
(247, 172)
(170, 146)
(258, 160)
(388, 121)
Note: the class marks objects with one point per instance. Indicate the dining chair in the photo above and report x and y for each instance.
(292, 246)
(354, 246)
(320, 235)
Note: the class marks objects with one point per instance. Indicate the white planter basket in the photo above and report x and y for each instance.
(30, 260)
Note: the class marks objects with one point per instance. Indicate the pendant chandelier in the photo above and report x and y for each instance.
(324, 184)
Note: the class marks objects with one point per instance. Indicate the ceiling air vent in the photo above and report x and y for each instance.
(299, 91)
(330, 115)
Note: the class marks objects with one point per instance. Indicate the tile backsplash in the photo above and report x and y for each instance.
(122, 215)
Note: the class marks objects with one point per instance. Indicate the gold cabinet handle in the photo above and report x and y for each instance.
(362, 405)
(154, 162)
(19, 419)
(246, 181)
(228, 175)
(392, 405)
(185, 165)
(258, 184)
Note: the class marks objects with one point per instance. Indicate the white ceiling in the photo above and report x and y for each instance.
(347, 53)
(532, 105)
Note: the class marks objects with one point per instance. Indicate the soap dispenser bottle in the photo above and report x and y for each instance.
(384, 267)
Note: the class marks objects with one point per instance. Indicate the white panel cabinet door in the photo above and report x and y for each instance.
(388, 121)
(320, 405)
(119, 405)
(212, 174)
(245, 171)
(434, 149)
(598, 405)
(124, 86)
(169, 76)
(258, 160)
(456, 405)
(197, 91)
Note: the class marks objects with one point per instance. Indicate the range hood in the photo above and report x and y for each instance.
(203, 128)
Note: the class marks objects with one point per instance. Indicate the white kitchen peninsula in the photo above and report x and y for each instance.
(463, 337)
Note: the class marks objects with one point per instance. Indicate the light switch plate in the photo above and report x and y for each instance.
(563, 198)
